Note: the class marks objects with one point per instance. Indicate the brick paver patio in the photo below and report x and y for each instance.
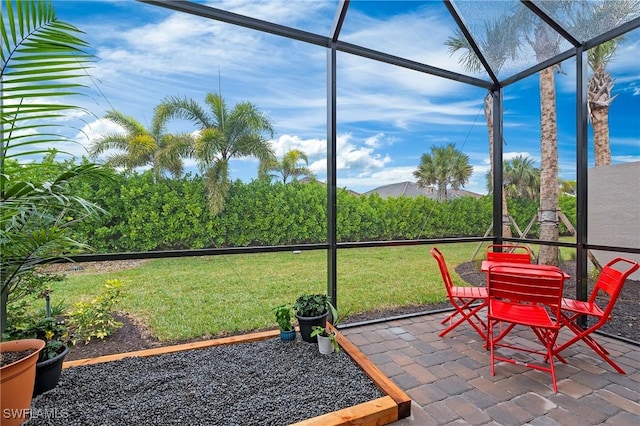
(450, 383)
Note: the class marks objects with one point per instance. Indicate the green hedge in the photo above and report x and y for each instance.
(173, 214)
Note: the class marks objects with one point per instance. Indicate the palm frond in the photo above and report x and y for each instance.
(40, 54)
(183, 108)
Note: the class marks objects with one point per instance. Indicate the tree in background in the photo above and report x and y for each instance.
(545, 43)
(602, 15)
(445, 166)
(568, 187)
(223, 135)
(521, 179)
(600, 99)
(499, 44)
(291, 166)
(140, 147)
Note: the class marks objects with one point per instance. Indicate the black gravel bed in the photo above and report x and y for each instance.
(268, 382)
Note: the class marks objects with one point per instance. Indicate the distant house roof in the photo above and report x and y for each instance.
(310, 180)
(411, 189)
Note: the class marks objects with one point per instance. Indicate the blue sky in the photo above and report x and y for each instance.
(387, 116)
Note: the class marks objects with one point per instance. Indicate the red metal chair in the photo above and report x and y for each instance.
(467, 301)
(607, 288)
(511, 253)
(522, 295)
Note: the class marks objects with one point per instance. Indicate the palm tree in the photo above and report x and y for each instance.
(445, 166)
(601, 83)
(600, 99)
(139, 147)
(520, 178)
(290, 166)
(545, 43)
(223, 135)
(41, 59)
(499, 44)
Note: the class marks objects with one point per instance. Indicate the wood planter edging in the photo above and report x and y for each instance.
(401, 399)
(246, 338)
(381, 411)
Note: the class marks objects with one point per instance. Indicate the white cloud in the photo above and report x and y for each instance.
(352, 157)
(375, 140)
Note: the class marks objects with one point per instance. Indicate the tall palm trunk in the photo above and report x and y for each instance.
(488, 115)
(600, 99)
(548, 255)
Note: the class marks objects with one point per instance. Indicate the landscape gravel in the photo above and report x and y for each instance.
(268, 382)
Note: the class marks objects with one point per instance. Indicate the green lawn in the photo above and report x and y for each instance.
(186, 298)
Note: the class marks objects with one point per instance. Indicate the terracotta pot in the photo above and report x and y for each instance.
(48, 372)
(17, 380)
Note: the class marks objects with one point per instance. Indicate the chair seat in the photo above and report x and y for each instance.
(581, 307)
(470, 292)
(530, 315)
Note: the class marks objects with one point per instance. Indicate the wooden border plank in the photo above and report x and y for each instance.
(376, 375)
(379, 411)
(245, 338)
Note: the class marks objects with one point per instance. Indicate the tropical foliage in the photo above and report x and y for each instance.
(600, 90)
(520, 177)
(445, 166)
(140, 147)
(173, 214)
(41, 60)
(223, 135)
(499, 43)
(291, 166)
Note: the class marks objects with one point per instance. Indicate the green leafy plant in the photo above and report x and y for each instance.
(323, 331)
(53, 330)
(41, 58)
(311, 305)
(95, 318)
(48, 324)
(283, 317)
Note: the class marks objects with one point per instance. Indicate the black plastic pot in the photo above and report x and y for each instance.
(48, 373)
(306, 324)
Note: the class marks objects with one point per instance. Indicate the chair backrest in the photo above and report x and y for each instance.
(511, 253)
(527, 284)
(611, 281)
(442, 264)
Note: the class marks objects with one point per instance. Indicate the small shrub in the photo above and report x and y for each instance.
(95, 318)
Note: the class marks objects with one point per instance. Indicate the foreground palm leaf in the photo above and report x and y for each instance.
(41, 61)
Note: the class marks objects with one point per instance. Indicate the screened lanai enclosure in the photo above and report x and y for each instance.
(366, 89)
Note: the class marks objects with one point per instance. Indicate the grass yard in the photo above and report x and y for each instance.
(186, 298)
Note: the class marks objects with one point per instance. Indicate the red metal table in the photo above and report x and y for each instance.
(486, 264)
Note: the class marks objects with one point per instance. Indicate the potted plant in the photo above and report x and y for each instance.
(283, 318)
(51, 328)
(17, 376)
(311, 310)
(327, 342)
